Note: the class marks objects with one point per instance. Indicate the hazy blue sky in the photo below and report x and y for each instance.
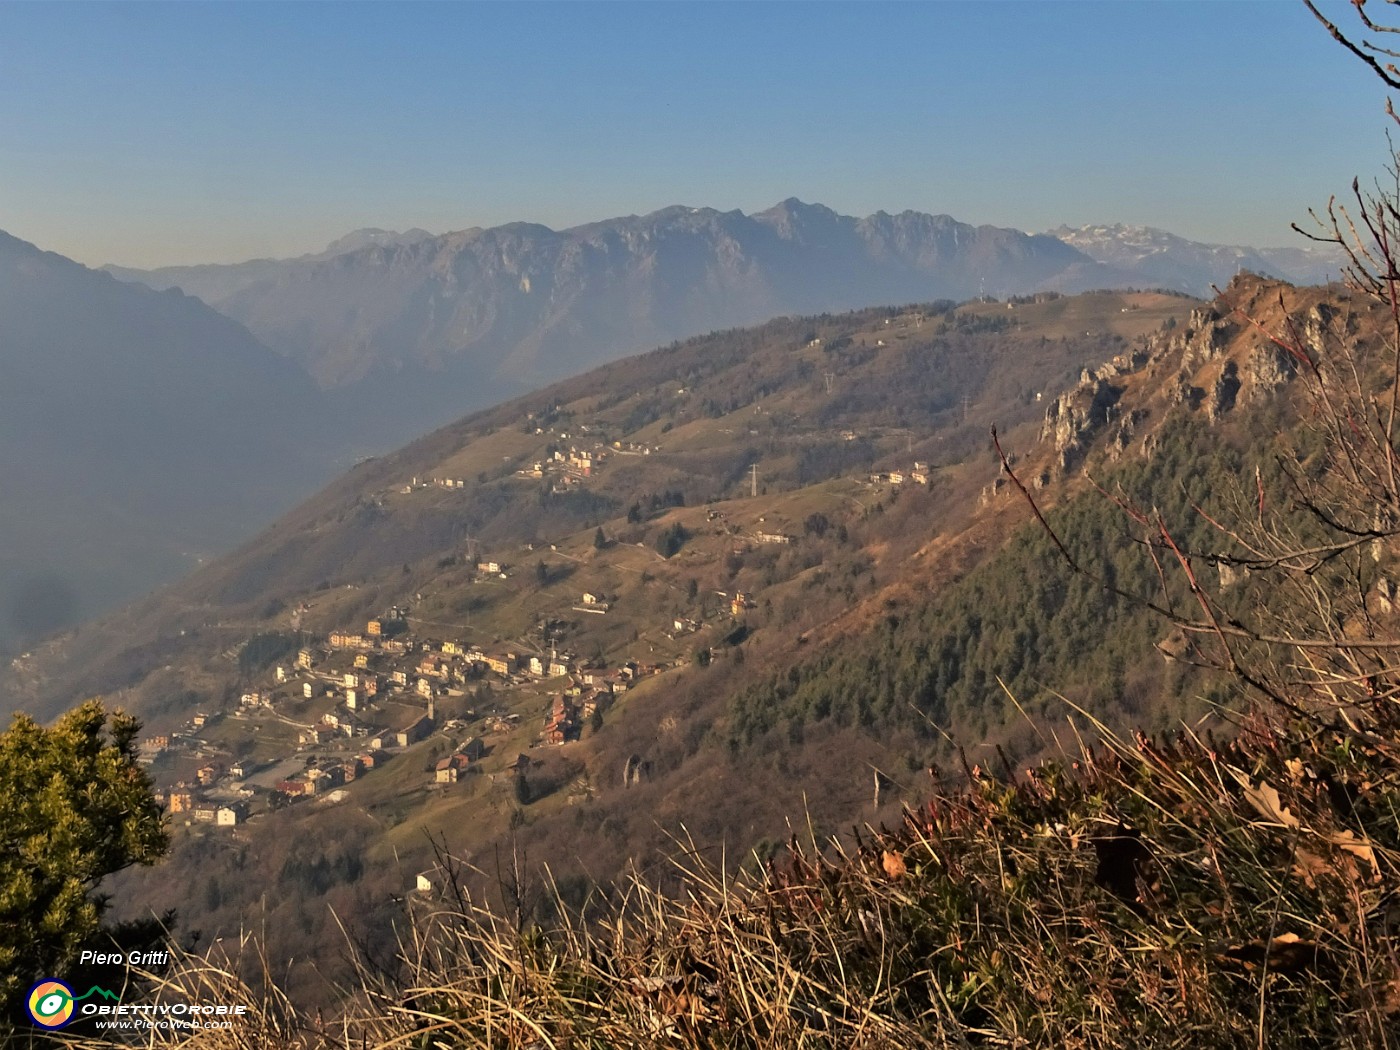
(162, 133)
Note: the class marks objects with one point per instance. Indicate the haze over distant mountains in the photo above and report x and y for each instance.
(139, 431)
(444, 323)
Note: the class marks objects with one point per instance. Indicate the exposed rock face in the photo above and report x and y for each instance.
(1123, 434)
(1316, 325)
(634, 770)
(1206, 336)
(1268, 368)
(1182, 392)
(1222, 393)
(990, 491)
(1074, 417)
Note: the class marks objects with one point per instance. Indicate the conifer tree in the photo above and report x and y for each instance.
(74, 807)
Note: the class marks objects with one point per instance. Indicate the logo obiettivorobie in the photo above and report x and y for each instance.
(51, 1002)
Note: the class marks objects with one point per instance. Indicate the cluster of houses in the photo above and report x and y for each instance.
(428, 668)
(442, 483)
(327, 776)
(182, 800)
(383, 686)
(568, 467)
(210, 776)
(919, 475)
(562, 723)
(451, 768)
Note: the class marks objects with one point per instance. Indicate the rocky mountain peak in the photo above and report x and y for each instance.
(357, 239)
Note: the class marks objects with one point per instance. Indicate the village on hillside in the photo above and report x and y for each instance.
(352, 701)
(345, 703)
(334, 706)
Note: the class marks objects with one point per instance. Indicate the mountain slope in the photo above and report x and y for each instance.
(769, 638)
(805, 400)
(138, 432)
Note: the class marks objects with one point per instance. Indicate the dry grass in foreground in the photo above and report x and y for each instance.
(1174, 895)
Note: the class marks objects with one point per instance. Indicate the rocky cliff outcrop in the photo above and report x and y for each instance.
(1075, 417)
(1267, 368)
(1223, 392)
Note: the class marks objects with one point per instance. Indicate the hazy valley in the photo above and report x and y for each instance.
(140, 434)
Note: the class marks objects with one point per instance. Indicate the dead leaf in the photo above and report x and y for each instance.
(1356, 847)
(1285, 952)
(1309, 866)
(1288, 951)
(1266, 801)
(893, 864)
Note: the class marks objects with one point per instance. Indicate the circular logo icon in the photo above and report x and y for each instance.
(51, 1004)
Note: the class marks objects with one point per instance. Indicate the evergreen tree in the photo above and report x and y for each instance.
(74, 807)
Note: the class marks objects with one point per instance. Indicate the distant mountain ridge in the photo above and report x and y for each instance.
(444, 323)
(371, 235)
(213, 281)
(1174, 262)
(521, 304)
